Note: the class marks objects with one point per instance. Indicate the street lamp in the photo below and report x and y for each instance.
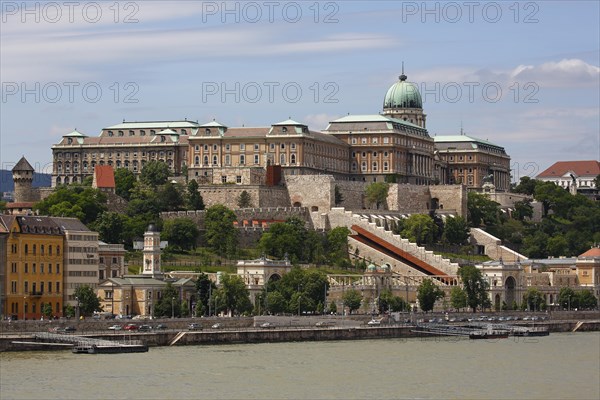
(172, 307)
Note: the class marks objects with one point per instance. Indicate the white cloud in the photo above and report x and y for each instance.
(319, 121)
(564, 73)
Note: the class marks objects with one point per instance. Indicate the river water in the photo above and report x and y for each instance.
(560, 366)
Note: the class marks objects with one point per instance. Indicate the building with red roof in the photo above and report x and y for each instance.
(104, 178)
(571, 175)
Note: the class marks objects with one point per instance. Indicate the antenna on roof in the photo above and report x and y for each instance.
(461, 128)
(402, 67)
(123, 120)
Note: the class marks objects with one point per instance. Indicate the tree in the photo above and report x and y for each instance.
(244, 200)
(154, 173)
(194, 199)
(481, 210)
(181, 233)
(352, 299)
(233, 295)
(170, 197)
(47, 310)
(597, 182)
(552, 197)
(419, 228)
(276, 303)
(110, 226)
(458, 298)
(377, 192)
(221, 234)
(557, 246)
(292, 238)
(389, 302)
(456, 230)
(474, 286)
(567, 298)
(428, 293)
(523, 209)
(124, 182)
(81, 202)
(332, 307)
(87, 300)
(169, 303)
(337, 245)
(204, 289)
(586, 300)
(534, 299)
(338, 197)
(526, 186)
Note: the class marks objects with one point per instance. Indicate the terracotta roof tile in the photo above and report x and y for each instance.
(104, 177)
(593, 252)
(580, 168)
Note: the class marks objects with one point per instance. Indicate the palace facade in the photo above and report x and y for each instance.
(393, 146)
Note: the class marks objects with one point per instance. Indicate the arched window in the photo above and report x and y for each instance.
(205, 160)
(215, 160)
(282, 159)
(293, 159)
(197, 160)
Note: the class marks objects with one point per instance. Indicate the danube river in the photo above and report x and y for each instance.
(560, 366)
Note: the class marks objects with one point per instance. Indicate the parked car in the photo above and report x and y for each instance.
(160, 326)
(115, 327)
(267, 325)
(144, 328)
(131, 327)
(194, 327)
(69, 329)
(216, 326)
(374, 322)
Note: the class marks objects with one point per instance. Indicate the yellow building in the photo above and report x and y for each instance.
(34, 266)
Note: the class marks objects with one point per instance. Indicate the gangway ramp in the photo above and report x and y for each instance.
(177, 338)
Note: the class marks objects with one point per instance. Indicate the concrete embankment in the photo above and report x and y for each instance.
(23, 342)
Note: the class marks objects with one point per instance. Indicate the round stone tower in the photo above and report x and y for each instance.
(403, 101)
(22, 174)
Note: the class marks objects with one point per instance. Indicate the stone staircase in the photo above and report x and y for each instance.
(341, 217)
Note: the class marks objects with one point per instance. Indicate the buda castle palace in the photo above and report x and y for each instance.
(393, 146)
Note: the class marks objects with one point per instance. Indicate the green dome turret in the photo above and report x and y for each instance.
(403, 94)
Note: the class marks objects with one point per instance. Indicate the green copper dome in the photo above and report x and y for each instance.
(403, 94)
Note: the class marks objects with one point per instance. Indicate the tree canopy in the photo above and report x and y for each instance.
(428, 293)
(181, 233)
(419, 228)
(221, 234)
(154, 173)
(352, 299)
(87, 300)
(377, 193)
(474, 286)
(75, 201)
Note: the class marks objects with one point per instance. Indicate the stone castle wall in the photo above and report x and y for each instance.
(451, 198)
(228, 195)
(314, 192)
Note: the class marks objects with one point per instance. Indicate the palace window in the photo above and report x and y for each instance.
(293, 159)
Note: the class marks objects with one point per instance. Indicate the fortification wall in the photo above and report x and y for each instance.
(315, 192)
(492, 246)
(409, 199)
(353, 194)
(228, 195)
(451, 198)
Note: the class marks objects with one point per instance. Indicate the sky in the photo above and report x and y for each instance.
(523, 75)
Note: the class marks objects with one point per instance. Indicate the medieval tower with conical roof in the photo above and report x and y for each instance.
(22, 174)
